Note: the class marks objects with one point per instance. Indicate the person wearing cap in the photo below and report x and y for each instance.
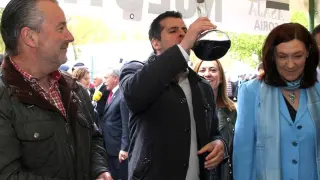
(64, 68)
(78, 65)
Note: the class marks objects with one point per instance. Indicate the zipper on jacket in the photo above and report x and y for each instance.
(67, 128)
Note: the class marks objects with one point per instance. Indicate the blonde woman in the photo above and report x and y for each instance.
(213, 72)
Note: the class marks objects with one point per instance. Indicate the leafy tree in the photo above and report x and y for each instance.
(2, 47)
(300, 17)
(88, 30)
(244, 47)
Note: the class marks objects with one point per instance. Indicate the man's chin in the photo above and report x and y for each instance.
(64, 59)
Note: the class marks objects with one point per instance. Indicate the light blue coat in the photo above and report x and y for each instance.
(298, 143)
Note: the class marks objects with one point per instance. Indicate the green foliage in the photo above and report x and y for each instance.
(300, 17)
(244, 47)
(2, 47)
(88, 30)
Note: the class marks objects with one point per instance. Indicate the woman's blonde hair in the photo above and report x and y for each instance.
(222, 97)
(80, 73)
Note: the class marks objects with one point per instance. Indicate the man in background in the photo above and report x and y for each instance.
(115, 127)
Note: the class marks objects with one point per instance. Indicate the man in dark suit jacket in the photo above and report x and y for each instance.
(173, 125)
(115, 128)
(100, 86)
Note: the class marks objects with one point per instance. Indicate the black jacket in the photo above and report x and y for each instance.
(227, 121)
(101, 104)
(37, 142)
(160, 121)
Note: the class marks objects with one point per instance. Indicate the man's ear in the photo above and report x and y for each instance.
(156, 44)
(29, 37)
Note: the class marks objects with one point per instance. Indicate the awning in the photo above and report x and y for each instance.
(278, 4)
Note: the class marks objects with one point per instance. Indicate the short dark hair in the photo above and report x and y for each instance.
(16, 15)
(316, 30)
(285, 33)
(156, 28)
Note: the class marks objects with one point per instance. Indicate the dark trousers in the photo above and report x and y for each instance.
(119, 171)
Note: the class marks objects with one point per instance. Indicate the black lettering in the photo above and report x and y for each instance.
(265, 25)
(271, 26)
(257, 25)
(259, 9)
(159, 8)
(280, 17)
(252, 9)
(274, 14)
(266, 13)
(186, 12)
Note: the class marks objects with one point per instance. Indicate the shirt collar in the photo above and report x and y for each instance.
(55, 76)
(115, 89)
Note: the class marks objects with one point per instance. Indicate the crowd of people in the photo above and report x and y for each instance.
(158, 119)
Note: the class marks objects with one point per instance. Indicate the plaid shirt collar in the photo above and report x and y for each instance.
(55, 76)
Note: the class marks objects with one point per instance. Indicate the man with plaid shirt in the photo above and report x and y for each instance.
(47, 129)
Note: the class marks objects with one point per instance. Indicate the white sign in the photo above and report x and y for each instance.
(249, 16)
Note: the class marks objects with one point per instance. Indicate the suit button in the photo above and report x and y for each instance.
(294, 143)
(187, 130)
(146, 161)
(299, 127)
(186, 166)
(183, 100)
(294, 161)
(36, 135)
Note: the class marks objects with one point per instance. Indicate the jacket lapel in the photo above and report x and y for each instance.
(284, 109)
(22, 89)
(27, 95)
(199, 108)
(302, 109)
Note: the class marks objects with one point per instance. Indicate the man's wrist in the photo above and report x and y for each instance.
(185, 47)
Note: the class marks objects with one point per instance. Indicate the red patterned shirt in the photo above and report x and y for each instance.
(52, 95)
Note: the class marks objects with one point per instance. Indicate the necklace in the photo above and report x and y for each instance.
(292, 97)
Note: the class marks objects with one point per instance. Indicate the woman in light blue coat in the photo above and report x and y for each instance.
(278, 125)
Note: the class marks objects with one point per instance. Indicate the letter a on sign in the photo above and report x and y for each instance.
(278, 4)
